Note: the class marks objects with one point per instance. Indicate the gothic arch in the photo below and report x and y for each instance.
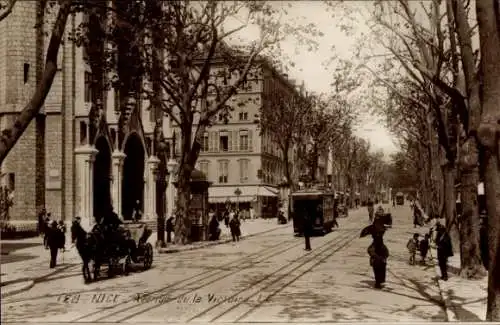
(133, 174)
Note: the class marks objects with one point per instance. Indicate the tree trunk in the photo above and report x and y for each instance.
(182, 216)
(287, 165)
(470, 255)
(488, 12)
(13, 133)
(450, 200)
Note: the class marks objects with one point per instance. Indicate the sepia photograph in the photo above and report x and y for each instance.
(249, 162)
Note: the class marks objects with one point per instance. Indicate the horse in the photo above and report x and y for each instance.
(88, 247)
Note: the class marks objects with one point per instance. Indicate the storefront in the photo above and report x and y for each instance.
(252, 201)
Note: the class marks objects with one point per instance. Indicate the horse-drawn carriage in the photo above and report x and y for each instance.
(118, 247)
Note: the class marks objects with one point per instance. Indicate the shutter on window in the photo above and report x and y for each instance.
(230, 141)
(250, 140)
(216, 141)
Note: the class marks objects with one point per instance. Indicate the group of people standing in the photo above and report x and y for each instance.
(54, 235)
(231, 220)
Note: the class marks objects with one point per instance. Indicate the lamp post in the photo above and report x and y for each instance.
(171, 168)
(237, 192)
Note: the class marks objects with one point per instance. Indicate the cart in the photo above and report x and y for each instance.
(119, 249)
(140, 252)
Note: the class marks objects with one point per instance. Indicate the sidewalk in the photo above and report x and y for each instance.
(31, 264)
(465, 299)
(249, 228)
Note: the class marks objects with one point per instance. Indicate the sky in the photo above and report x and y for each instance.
(311, 68)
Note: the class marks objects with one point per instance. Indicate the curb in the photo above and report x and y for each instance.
(214, 243)
(448, 306)
(16, 288)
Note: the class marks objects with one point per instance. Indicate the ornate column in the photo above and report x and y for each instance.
(150, 195)
(117, 159)
(171, 168)
(85, 157)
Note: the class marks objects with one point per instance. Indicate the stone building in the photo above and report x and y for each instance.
(242, 161)
(84, 152)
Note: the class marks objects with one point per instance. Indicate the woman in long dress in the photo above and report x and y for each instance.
(378, 253)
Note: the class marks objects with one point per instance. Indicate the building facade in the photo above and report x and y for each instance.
(89, 149)
(241, 160)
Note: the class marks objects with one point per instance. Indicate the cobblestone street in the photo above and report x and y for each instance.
(265, 278)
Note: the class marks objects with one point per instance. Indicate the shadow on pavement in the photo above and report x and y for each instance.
(462, 314)
(6, 259)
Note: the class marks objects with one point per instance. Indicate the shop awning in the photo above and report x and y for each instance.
(221, 194)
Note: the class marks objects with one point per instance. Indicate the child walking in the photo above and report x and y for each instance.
(424, 247)
(412, 246)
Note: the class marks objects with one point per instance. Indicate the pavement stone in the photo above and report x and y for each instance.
(20, 276)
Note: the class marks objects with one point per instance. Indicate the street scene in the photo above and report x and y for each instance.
(265, 278)
(249, 161)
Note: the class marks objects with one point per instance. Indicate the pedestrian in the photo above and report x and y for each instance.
(53, 242)
(307, 230)
(47, 230)
(370, 210)
(137, 213)
(424, 247)
(234, 226)
(444, 250)
(169, 228)
(412, 246)
(416, 216)
(378, 253)
(393, 202)
(213, 227)
(62, 235)
(227, 217)
(41, 222)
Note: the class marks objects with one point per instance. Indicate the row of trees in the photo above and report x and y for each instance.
(316, 125)
(442, 74)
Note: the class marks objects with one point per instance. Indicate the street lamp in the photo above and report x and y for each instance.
(171, 168)
(237, 192)
(284, 188)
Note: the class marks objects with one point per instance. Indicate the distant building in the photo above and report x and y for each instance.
(240, 158)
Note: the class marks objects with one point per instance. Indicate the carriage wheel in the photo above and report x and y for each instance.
(127, 265)
(148, 256)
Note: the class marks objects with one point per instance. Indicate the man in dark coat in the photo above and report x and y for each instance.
(169, 229)
(53, 242)
(41, 222)
(213, 228)
(444, 250)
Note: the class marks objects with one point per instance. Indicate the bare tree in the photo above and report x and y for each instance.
(284, 116)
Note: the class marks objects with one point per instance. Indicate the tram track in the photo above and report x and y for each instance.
(242, 264)
(274, 279)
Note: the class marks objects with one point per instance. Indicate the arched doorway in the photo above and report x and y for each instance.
(102, 180)
(133, 176)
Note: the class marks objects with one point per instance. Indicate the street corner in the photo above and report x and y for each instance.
(16, 287)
